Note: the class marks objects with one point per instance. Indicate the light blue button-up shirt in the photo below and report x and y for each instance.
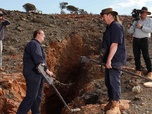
(145, 31)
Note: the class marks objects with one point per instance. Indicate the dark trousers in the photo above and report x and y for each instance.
(32, 100)
(112, 82)
(141, 46)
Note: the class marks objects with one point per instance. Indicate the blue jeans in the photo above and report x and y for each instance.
(32, 100)
(112, 82)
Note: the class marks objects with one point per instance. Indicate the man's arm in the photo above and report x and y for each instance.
(113, 49)
(131, 28)
(147, 29)
(5, 22)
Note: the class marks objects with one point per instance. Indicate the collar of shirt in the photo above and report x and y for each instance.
(36, 40)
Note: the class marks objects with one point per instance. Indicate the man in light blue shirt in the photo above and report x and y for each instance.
(3, 23)
(141, 30)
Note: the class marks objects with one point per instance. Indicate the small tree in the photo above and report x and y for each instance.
(29, 7)
(62, 12)
(63, 5)
(72, 9)
(81, 11)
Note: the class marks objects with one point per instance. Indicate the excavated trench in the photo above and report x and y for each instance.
(64, 59)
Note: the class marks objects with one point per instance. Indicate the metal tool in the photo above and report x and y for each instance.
(50, 81)
(84, 59)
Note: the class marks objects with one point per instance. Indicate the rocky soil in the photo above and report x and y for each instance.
(68, 37)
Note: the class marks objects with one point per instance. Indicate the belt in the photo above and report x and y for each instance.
(140, 38)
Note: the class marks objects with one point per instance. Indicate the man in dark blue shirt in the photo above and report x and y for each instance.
(114, 58)
(33, 56)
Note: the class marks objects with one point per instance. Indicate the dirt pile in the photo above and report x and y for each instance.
(68, 37)
(12, 91)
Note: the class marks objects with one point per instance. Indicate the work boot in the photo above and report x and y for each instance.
(138, 73)
(114, 109)
(108, 105)
(149, 75)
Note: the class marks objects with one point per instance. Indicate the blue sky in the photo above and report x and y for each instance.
(123, 7)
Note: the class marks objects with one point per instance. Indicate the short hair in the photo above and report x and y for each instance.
(36, 32)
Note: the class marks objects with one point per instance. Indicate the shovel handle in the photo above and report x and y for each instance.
(132, 73)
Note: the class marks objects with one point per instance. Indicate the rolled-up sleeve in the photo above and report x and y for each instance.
(148, 26)
(131, 30)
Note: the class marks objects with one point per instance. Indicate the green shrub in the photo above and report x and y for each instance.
(29, 7)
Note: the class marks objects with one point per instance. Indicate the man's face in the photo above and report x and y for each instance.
(41, 36)
(143, 15)
(105, 18)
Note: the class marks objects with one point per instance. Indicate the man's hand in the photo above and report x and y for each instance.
(3, 19)
(49, 73)
(139, 25)
(108, 65)
(129, 25)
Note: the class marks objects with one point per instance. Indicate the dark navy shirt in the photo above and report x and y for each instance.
(114, 34)
(33, 56)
